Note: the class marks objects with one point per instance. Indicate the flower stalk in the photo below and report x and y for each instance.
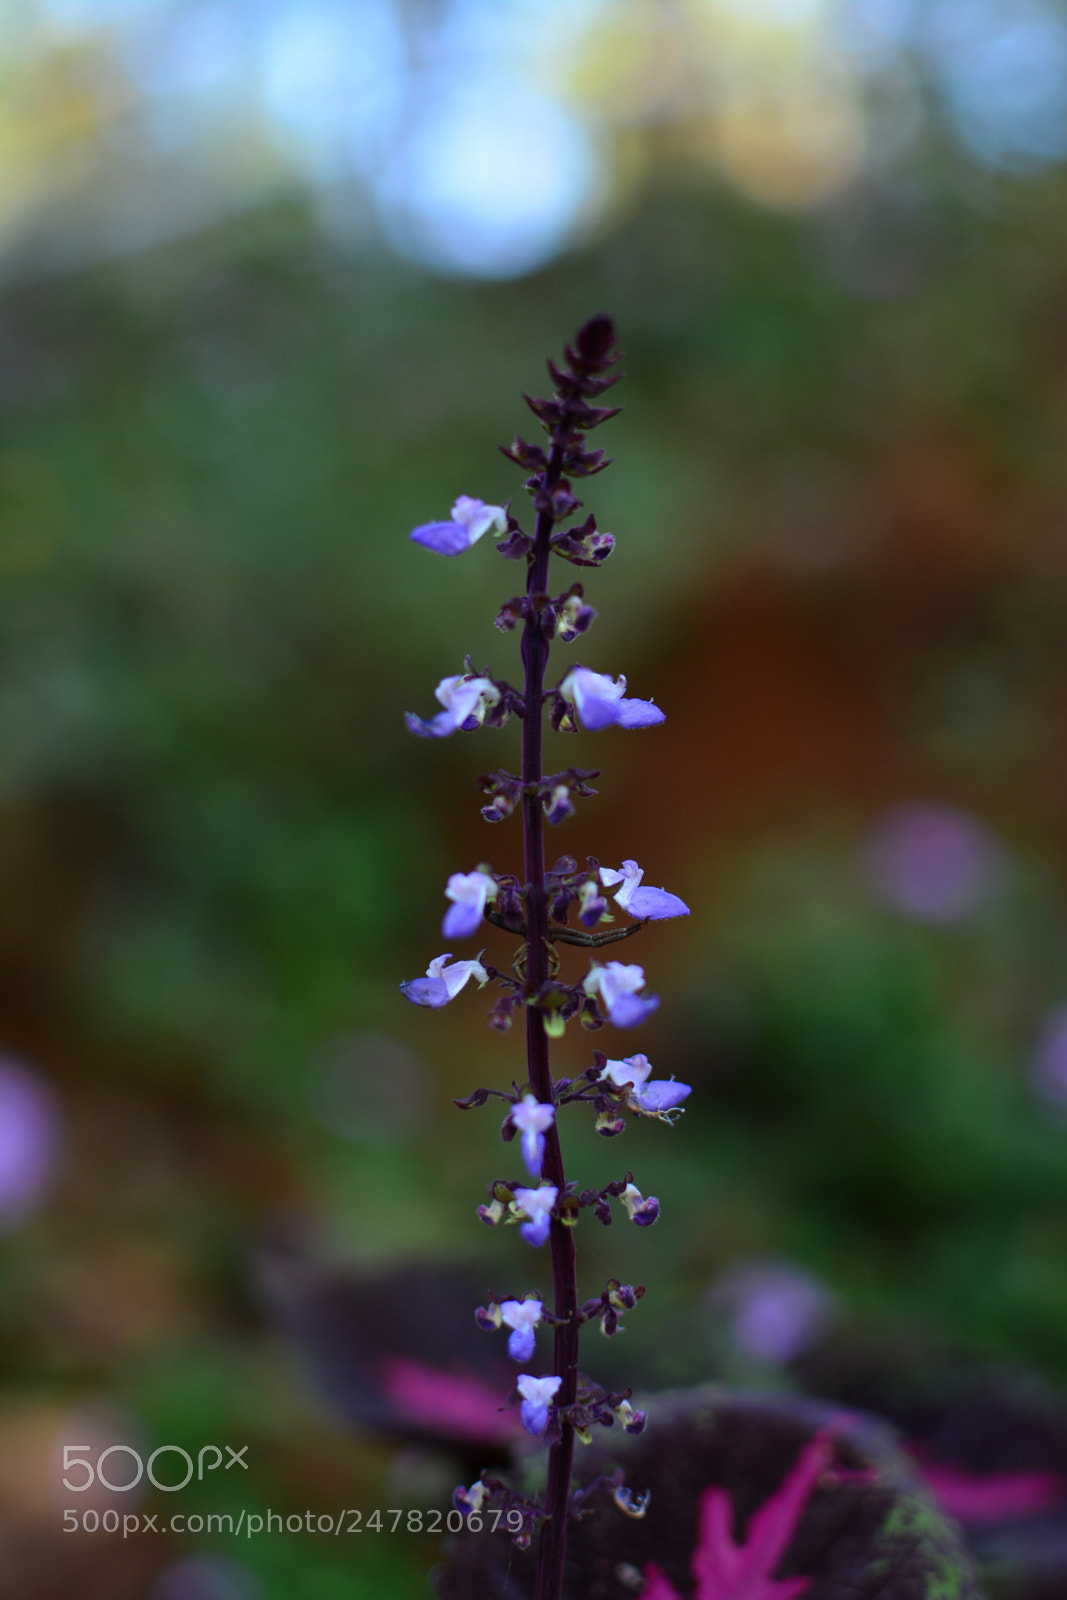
(563, 1404)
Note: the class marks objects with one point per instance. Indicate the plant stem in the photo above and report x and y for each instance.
(535, 650)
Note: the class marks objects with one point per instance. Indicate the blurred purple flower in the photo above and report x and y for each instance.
(206, 1578)
(615, 986)
(1049, 1071)
(933, 862)
(469, 893)
(776, 1311)
(536, 1206)
(29, 1141)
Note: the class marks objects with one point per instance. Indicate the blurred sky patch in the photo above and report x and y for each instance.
(483, 139)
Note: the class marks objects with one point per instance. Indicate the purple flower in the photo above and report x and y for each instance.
(1049, 1072)
(633, 1421)
(470, 519)
(470, 1500)
(531, 1118)
(441, 984)
(647, 905)
(536, 1206)
(776, 1310)
(616, 986)
(522, 1316)
(643, 1212)
(598, 702)
(466, 699)
(537, 1396)
(469, 893)
(934, 863)
(592, 904)
(650, 1099)
(573, 617)
(29, 1139)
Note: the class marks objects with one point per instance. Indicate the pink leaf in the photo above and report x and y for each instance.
(725, 1570)
(974, 1499)
(657, 1587)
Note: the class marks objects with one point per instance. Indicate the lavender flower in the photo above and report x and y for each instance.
(616, 986)
(643, 1212)
(469, 892)
(537, 1396)
(536, 1206)
(647, 905)
(598, 702)
(441, 984)
(522, 1316)
(470, 519)
(466, 699)
(657, 1098)
(532, 1118)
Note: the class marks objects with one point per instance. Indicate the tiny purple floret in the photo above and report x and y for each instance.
(599, 703)
(532, 1118)
(616, 985)
(647, 905)
(536, 1206)
(537, 1396)
(470, 520)
(653, 1099)
(442, 983)
(522, 1316)
(466, 699)
(469, 893)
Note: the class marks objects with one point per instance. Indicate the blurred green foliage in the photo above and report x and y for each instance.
(840, 568)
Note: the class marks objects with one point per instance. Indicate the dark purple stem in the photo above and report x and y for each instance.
(535, 648)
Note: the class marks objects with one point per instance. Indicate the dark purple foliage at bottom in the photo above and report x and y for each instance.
(865, 1533)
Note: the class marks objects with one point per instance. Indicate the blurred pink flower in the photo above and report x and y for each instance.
(1049, 1071)
(29, 1141)
(933, 862)
(775, 1310)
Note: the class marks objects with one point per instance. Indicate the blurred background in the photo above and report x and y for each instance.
(276, 273)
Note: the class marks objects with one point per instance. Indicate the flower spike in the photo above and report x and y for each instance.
(548, 909)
